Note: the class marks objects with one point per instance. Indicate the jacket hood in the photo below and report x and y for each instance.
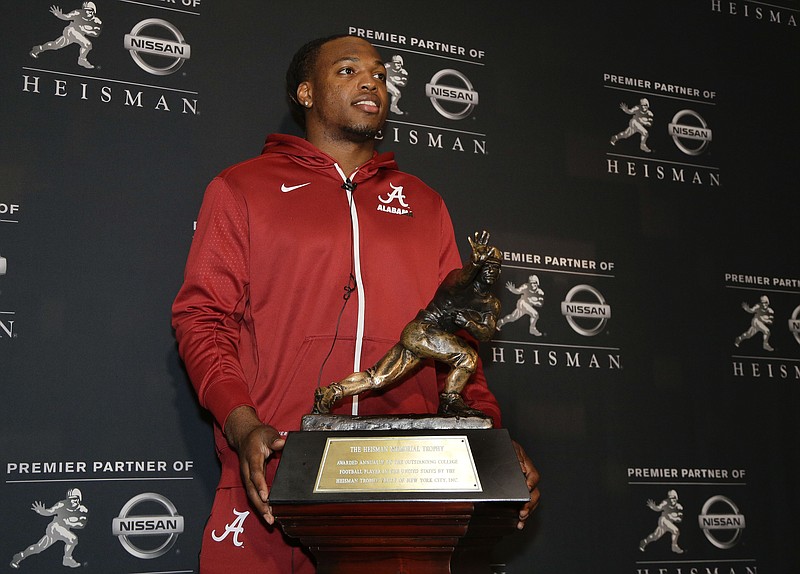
(308, 155)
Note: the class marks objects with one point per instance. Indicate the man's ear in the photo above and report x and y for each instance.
(304, 96)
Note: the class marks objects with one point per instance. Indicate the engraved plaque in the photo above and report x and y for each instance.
(397, 464)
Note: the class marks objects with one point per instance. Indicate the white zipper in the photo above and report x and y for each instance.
(359, 283)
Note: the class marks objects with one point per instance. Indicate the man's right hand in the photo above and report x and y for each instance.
(254, 442)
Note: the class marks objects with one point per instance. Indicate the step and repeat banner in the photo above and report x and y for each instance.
(636, 163)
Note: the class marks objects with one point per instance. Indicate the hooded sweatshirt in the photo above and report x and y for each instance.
(293, 281)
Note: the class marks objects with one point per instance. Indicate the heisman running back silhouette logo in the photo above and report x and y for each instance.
(396, 78)
(641, 119)
(671, 515)
(83, 24)
(68, 515)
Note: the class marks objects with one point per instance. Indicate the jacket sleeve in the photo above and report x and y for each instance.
(476, 393)
(209, 308)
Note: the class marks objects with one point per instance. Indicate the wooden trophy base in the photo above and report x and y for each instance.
(403, 501)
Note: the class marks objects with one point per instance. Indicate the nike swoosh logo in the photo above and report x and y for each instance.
(286, 188)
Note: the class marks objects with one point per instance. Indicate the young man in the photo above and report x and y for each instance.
(298, 273)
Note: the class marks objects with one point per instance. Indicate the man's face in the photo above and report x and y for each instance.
(348, 90)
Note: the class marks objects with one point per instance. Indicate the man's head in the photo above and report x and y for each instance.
(301, 68)
(672, 495)
(534, 281)
(764, 301)
(90, 8)
(338, 84)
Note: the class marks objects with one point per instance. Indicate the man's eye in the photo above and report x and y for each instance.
(347, 70)
(381, 77)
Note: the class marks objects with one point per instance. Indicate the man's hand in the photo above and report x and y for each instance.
(254, 442)
(38, 508)
(531, 479)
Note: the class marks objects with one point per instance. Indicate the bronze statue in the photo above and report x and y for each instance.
(463, 301)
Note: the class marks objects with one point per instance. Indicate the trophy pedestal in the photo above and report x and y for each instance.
(421, 501)
(399, 537)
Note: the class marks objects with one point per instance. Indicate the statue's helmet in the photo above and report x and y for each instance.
(495, 255)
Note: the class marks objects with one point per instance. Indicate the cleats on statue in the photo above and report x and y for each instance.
(453, 404)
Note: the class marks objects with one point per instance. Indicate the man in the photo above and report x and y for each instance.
(530, 297)
(83, 22)
(641, 119)
(671, 515)
(68, 515)
(299, 272)
(763, 316)
(463, 301)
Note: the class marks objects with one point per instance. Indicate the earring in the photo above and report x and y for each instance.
(308, 104)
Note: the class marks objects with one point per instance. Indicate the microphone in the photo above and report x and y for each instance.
(349, 185)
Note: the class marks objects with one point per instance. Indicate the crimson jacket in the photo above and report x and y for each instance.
(277, 240)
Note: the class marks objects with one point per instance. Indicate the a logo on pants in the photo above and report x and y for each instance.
(234, 529)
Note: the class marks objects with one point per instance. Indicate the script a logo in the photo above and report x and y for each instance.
(395, 195)
(235, 528)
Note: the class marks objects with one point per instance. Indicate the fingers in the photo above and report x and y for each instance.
(256, 485)
(479, 238)
(258, 447)
(531, 480)
(528, 508)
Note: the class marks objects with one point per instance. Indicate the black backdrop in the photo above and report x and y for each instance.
(104, 169)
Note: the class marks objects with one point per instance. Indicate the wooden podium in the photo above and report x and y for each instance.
(399, 501)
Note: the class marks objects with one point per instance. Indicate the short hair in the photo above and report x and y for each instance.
(300, 70)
